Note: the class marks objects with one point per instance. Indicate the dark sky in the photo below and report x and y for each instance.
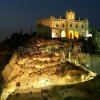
(17, 14)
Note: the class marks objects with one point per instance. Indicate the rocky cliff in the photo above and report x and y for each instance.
(38, 64)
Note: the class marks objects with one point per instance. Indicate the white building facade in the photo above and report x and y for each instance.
(68, 27)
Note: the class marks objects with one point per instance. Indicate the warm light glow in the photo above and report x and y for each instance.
(68, 77)
(69, 17)
(82, 77)
(53, 35)
(71, 34)
(43, 82)
(87, 65)
(72, 16)
(63, 34)
(76, 34)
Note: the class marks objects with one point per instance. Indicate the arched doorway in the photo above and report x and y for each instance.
(63, 34)
(76, 35)
(71, 34)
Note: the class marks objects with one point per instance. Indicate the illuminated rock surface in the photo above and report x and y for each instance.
(39, 65)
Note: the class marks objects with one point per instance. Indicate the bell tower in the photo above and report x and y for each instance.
(70, 15)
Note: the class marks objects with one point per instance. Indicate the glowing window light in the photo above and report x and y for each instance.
(71, 34)
(53, 35)
(63, 34)
(76, 34)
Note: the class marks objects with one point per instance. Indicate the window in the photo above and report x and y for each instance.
(76, 26)
(57, 25)
(76, 35)
(63, 25)
(82, 26)
(71, 34)
(70, 25)
(63, 34)
(82, 33)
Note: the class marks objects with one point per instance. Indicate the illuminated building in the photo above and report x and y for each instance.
(63, 27)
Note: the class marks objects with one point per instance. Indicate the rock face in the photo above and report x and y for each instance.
(38, 64)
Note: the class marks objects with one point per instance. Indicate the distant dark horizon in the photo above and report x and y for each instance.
(17, 14)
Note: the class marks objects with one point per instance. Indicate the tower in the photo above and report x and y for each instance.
(70, 15)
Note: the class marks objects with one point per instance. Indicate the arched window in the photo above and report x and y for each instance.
(76, 35)
(63, 34)
(57, 25)
(63, 25)
(70, 25)
(82, 26)
(71, 34)
(76, 26)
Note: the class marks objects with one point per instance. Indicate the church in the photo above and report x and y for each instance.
(68, 27)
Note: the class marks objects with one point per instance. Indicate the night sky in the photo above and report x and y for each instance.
(17, 14)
